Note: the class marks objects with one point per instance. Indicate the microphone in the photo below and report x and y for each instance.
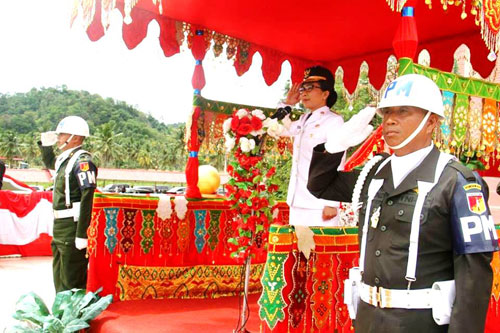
(281, 112)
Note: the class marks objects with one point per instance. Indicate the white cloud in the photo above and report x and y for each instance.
(38, 49)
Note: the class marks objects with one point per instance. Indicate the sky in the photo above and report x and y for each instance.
(38, 48)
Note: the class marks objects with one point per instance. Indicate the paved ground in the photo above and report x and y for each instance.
(20, 276)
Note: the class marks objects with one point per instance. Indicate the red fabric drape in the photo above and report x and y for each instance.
(365, 150)
(406, 38)
(192, 190)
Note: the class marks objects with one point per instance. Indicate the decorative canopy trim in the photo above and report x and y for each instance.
(256, 36)
(486, 14)
(452, 82)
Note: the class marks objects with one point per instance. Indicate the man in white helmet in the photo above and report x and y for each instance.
(426, 234)
(74, 185)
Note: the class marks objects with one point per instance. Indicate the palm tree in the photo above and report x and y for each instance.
(9, 147)
(29, 149)
(105, 144)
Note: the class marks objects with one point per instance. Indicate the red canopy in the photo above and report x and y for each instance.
(331, 32)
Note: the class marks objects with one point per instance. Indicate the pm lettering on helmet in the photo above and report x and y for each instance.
(402, 87)
(483, 226)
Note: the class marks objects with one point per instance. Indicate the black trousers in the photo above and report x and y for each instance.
(69, 265)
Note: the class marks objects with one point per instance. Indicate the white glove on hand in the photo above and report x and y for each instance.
(48, 138)
(81, 243)
(352, 132)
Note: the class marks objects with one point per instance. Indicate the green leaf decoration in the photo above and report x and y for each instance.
(95, 309)
(75, 325)
(61, 302)
(52, 325)
(71, 312)
(30, 307)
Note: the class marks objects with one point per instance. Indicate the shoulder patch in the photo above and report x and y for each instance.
(471, 221)
(84, 166)
(465, 171)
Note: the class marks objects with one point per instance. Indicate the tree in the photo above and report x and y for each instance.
(9, 147)
(105, 145)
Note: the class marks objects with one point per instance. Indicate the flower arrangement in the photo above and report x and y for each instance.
(251, 188)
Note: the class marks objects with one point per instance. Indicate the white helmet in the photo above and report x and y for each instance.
(73, 125)
(413, 90)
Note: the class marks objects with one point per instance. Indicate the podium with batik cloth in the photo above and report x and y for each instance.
(306, 295)
(301, 295)
(134, 254)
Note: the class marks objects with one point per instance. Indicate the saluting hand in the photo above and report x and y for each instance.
(293, 96)
(352, 132)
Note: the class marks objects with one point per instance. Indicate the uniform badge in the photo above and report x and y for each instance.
(472, 186)
(375, 218)
(84, 166)
(476, 202)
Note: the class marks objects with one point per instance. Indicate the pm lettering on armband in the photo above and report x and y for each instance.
(86, 178)
(478, 225)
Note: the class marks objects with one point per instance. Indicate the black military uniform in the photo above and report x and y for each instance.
(69, 263)
(442, 254)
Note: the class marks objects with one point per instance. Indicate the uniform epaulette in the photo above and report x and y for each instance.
(465, 171)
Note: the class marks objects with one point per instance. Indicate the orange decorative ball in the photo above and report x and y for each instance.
(208, 179)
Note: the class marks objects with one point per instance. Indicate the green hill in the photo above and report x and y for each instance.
(122, 136)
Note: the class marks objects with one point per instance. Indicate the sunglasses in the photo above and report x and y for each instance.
(307, 87)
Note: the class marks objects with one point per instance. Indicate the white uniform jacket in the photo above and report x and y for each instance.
(308, 132)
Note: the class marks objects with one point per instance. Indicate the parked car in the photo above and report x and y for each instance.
(116, 188)
(221, 190)
(162, 188)
(177, 190)
(141, 189)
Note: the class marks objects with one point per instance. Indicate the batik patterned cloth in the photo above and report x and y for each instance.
(301, 295)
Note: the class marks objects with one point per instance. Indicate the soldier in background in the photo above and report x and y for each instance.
(74, 186)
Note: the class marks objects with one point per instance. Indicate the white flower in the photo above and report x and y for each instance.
(229, 142)
(259, 114)
(226, 126)
(246, 144)
(242, 113)
(274, 128)
(259, 132)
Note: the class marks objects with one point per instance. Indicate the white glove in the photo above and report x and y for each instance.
(48, 138)
(352, 132)
(81, 243)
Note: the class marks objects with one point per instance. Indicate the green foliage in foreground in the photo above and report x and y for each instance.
(72, 311)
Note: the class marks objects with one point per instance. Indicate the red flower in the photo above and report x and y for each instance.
(244, 126)
(244, 209)
(255, 203)
(244, 129)
(256, 123)
(230, 169)
(235, 123)
(252, 221)
(230, 189)
(271, 172)
(264, 202)
(273, 188)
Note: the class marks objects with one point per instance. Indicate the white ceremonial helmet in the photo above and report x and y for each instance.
(73, 125)
(413, 90)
